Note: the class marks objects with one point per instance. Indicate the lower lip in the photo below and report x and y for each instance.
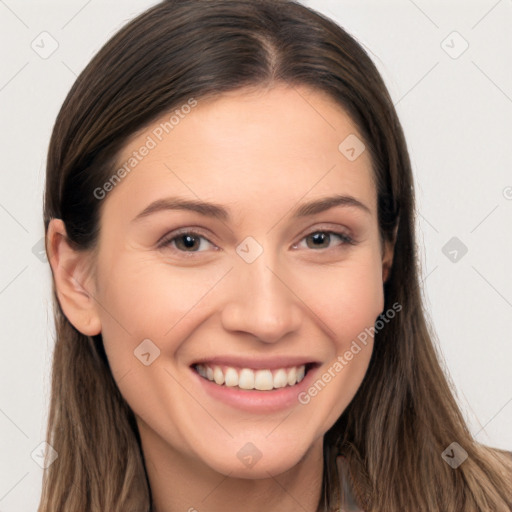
(254, 400)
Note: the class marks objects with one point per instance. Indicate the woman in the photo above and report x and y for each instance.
(229, 211)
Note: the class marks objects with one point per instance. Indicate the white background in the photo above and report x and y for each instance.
(457, 117)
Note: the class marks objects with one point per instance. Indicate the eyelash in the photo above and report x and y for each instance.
(168, 240)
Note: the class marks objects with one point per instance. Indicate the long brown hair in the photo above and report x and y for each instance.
(404, 414)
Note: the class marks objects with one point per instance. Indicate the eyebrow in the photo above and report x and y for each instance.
(219, 212)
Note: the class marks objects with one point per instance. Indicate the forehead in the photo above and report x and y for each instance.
(246, 148)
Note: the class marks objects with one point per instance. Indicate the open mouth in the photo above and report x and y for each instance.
(253, 379)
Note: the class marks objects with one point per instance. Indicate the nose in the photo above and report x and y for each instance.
(262, 301)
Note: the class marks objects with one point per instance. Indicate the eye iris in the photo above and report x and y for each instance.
(320, 237)
(188, 240)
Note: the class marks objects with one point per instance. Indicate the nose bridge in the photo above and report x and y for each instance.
(262, 303)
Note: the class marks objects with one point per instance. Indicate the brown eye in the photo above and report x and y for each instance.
(185, 241)
(319, 240)
(322, 239)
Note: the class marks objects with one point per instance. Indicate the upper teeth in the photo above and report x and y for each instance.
(245, 378)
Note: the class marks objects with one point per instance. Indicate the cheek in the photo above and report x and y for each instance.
(147, 299)
(347, 298)
(348, 301)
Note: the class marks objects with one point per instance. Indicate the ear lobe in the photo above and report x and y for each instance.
(73, 280)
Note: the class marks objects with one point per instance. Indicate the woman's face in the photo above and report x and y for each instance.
(253, 288)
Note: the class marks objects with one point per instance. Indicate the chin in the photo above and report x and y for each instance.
(256, 460)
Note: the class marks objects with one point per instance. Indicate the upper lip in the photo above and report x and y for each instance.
(258, 363)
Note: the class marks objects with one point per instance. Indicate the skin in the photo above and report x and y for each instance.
(259, 154)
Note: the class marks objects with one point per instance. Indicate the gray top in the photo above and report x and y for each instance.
(348, 500)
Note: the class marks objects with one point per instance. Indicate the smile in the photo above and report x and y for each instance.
(248, 378)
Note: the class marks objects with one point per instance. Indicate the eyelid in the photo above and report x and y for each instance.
(329, 228)
(168, 237)
(347, 238)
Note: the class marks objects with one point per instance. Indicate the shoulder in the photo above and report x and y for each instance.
(504, 459)
(493, 451)
(353, 496)
(502, 455)
(507, 455)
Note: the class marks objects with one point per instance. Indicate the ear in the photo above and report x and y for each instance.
(387, 257)
(73, 281)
